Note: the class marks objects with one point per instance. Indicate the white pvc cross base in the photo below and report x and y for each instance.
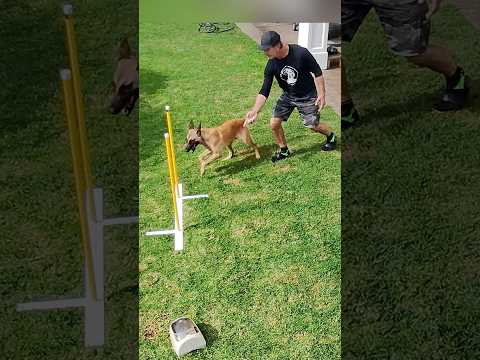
(94, 316)
(177, 231)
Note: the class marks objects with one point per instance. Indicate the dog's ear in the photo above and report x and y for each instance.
(191, 125)
(199, 129)
(124, 50)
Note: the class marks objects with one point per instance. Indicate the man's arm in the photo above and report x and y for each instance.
(320, 86)
(262, 96)
(260, 100)
(434, 6)
(316, 71)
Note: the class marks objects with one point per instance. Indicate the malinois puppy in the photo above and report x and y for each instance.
(125, 81)
(215, 140)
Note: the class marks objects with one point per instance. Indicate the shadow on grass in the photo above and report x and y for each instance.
(474, 98)
(306, 152)
(416, 106)
(246, 160)
(151, 81)
(209, 332)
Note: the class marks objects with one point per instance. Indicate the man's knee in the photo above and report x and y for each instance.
(275, 123)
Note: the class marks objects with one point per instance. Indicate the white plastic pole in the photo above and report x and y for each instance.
(95, 308)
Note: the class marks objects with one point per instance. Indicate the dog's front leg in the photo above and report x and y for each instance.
(204, 155)
(206, 161)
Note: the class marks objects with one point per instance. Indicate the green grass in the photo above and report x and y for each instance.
(41, 253)
(410, 214)
(260, 273)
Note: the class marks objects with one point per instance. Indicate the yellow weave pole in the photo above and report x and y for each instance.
(70, 114)
(168, 117)
(71, 46)
(173, 187)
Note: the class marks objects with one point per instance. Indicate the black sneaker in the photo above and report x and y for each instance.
(280, 155)
(350, 120)
(454, 98)
(331, 142)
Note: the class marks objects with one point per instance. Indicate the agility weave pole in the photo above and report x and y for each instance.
(89, 201)
(176, 189)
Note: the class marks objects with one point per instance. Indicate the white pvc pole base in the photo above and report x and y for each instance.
(121, 221)
(177, 232)
(191, 197)
(160, 232)
(95, 308)
(52, 304)
(94, 316)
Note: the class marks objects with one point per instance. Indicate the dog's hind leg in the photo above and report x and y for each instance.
(245, 137)
(230, 153)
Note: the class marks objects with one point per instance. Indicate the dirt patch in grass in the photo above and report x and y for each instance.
(281, 169)
(233, 181)
(150, 330)
(150, 279)
(240, 231)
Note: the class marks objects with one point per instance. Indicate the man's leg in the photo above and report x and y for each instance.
(279, 136)
(322, 128)
(311, 119)
(440, 60)
(408, 32)
(281, 112)
(277, 130)
(349, 114)
(345, 91)
(436, 58)
(353, 14)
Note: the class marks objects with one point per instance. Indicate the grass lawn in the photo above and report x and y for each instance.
(41, 252)
(410, 214)
(260, 273)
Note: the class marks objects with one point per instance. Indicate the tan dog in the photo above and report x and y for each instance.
(217, 139)
(125, 81)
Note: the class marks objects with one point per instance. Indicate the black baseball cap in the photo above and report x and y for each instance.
(269, 39)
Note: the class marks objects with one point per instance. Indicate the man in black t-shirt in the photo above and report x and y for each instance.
(299, 75)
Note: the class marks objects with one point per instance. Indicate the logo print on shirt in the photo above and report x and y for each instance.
(289, 74)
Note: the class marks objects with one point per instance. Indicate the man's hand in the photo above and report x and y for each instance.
(434, 6)
(250, 117)
(320, 102)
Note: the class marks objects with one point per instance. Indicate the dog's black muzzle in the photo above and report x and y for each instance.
(191, 145)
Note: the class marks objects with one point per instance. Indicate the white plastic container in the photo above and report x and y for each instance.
(186, 336)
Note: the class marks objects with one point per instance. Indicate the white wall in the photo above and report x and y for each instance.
(314, 37)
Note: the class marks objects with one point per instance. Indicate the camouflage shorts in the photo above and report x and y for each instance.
(406, 27)
(309, 112)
